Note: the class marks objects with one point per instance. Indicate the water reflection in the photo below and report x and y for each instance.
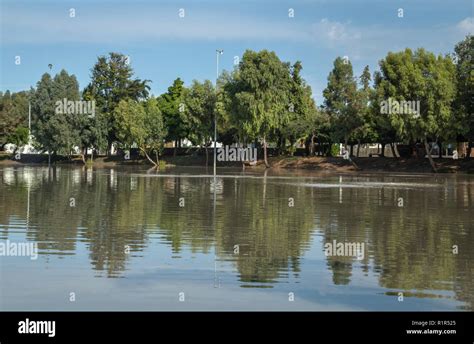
(265, 229)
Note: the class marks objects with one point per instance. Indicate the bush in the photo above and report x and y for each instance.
(334, 150)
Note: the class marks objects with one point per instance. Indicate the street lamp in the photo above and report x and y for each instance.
(216, 278)
(218, 53)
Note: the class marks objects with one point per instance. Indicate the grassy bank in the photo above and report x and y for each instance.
(375, 164)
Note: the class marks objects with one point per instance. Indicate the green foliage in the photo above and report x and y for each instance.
(262, 99)
(301, 109)
(364, 129)
(155, 132)
(423, 77)
(13, 114)
(129, 116)
(200, 101)
(334, 150)
(112, 81)
(19, 136)
(341, 99)
(259, 93)
(173, 108)
(228, 128)
(91, 131)
(380, 123)
(464, 106)
(140, 124)
(55, 131)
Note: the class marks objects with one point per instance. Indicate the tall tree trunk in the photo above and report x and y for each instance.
(311, 146)
(468, 150)
(382, 151)
(175, 147)
(207, 155)
(358, 148)
(430, 158)
(392, 147)
(148, 157)
(281, 145)
(83, 154)
(265, 152)
(49, 159)
(440, 147)
(345, 143)
(242, 145)
(109, 148)
(352, 151)
(264, 187)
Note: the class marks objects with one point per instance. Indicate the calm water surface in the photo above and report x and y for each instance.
(131, 239)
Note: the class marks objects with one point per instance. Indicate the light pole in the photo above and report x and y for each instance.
(216, 278)
(29, 122)
(218, 53)
(29, 128)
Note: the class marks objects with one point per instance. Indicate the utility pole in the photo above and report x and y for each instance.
(216, 277)
(218, 53)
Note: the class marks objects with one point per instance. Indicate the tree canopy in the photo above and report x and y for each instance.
(263, 101)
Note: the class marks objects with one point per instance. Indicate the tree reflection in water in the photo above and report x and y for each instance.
(408, 248)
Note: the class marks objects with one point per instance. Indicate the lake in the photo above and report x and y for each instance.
(136, 239)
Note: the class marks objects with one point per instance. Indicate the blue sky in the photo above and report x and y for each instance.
(163, 46)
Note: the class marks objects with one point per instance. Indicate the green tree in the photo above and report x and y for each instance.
(200, 100)
(155, 132)
(112, 81)
(259, 95)
(301, 110)
(54, 130)
(364, 131)
(140, 124)
(172, 106)
(341, 99)
(129, 116)
(13, 115)
(92, 133)
(19, 137)
(423, 77)
(92, 130)
(379, 121)
(228, 128)
(464, 104)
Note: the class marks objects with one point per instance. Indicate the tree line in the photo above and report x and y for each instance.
(263, 101)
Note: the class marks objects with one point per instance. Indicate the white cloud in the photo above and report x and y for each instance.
(466, 26)
(136, 25)
(335, 31)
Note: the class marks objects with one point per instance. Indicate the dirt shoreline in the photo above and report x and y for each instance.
(320, 164)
